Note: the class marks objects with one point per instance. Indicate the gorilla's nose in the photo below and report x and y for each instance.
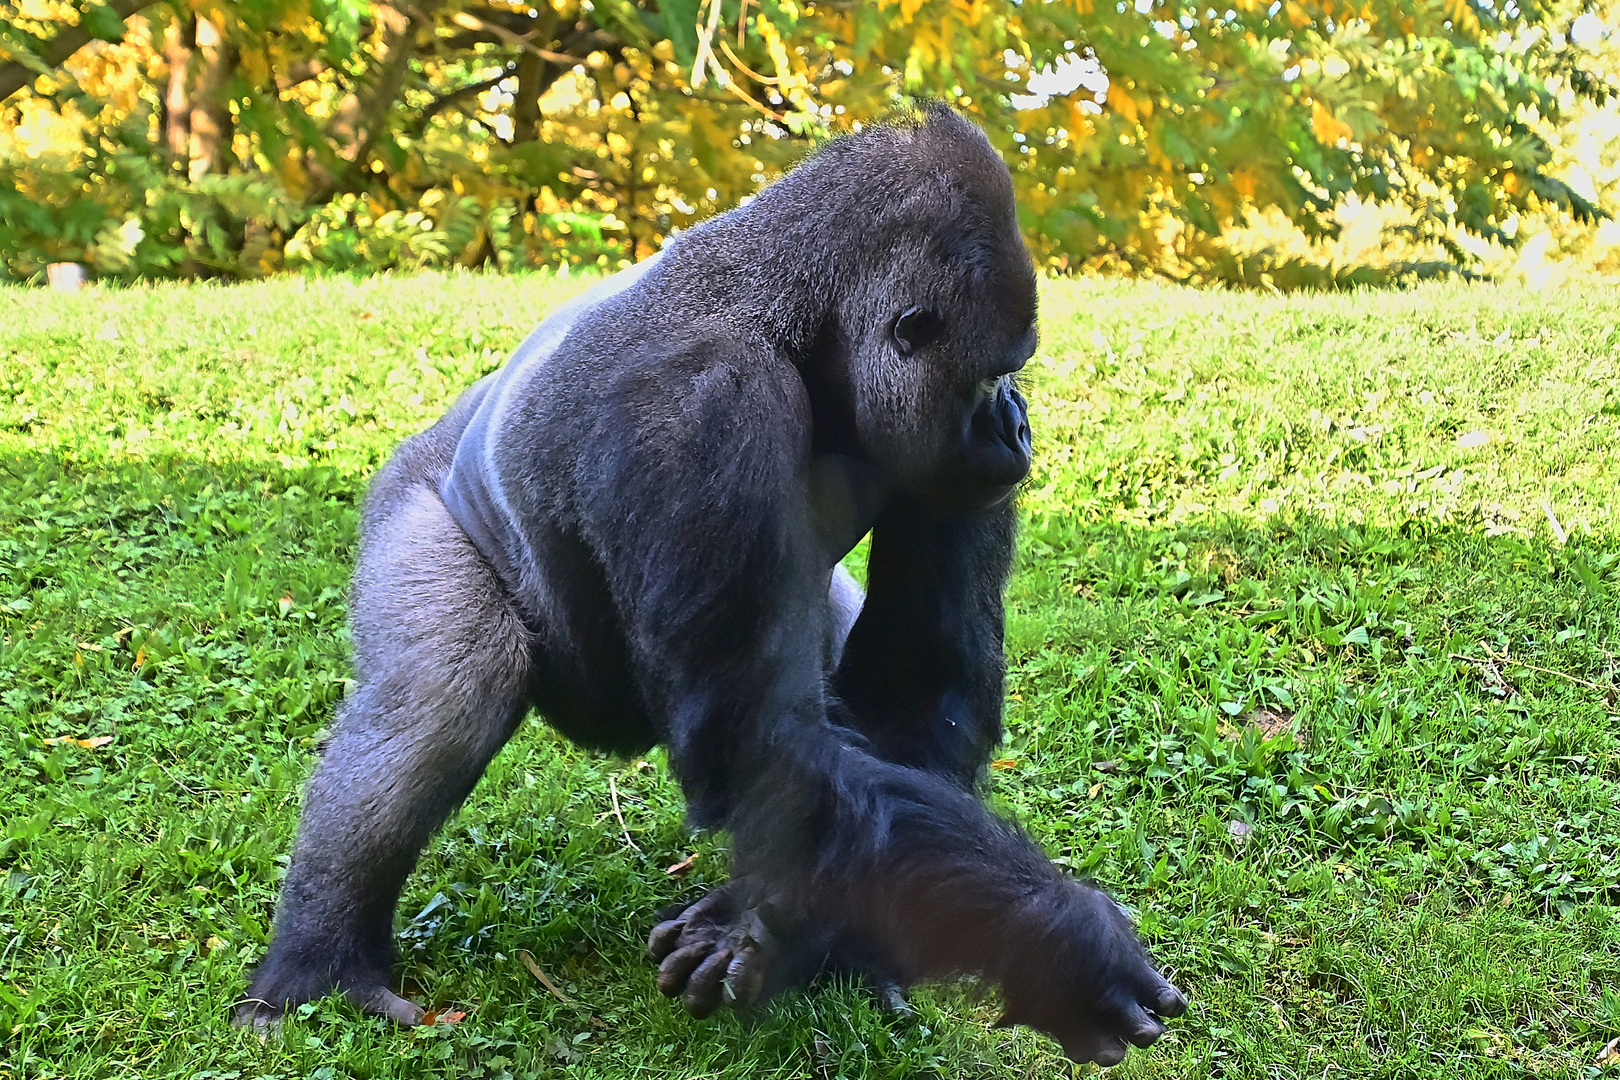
(1010, 417)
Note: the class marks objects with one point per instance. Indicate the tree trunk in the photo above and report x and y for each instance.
(531, 71)
(177, 47)
(363, 114)
(212, 125)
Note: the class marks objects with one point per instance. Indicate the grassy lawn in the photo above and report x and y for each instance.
(1313, 663)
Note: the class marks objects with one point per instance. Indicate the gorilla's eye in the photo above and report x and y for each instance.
(917, 327)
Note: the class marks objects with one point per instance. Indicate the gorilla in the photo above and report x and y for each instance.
(634, 528)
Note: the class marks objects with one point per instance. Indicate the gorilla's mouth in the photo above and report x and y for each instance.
(996, 453)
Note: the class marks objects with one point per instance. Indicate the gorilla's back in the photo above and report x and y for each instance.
(475, 488)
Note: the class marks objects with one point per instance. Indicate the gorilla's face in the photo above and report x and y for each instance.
(936, 401)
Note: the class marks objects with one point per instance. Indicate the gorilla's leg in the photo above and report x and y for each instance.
(442, 664)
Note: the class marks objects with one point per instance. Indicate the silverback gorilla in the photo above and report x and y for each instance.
(634, 528)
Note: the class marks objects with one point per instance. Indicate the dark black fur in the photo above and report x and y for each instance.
(634, 529)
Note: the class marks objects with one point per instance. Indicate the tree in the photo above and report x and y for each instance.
(237, 137)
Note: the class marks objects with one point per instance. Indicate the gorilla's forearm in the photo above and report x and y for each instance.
(921, 675)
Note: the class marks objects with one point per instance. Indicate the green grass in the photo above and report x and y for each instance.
(1330, 516)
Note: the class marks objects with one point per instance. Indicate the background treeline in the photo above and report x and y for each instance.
(215, 138)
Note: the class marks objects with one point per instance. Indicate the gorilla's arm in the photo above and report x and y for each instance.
(921, 673)
(901, 863)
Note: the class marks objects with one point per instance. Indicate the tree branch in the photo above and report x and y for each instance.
(510, 37)
(454, 97)
(14, 75)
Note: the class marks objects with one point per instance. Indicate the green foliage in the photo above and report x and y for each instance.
(1298, 668)
(1140, 134)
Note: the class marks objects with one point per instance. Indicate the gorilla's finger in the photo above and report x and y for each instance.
(745, 978)
(1105, 1050)
(1140, 1027)
(1108, 1052)
(891, 997)
(670, 912)
(706, 984)
(664, 938)
(678, 966)
(1169, 1002)
(715, 906)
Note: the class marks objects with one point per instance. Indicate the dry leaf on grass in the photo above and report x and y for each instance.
(88, 744)
(434, 1016)
(1609, 1055)
(534, 969)
(683, 866)
(1004, 763)
(1271, 724)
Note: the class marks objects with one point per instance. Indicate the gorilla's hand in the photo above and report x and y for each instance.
(713, 952)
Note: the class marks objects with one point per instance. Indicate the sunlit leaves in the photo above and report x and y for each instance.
(1139, 133)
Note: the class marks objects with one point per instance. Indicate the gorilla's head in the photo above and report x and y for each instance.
(945, 317)
(907, 235)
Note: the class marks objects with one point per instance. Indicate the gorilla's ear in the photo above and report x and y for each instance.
(915, 328)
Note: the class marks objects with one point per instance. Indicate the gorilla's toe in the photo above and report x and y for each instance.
(1169, 1002)
(258, 1015)
(389, 1005)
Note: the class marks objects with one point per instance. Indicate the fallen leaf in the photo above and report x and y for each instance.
(1608, 1055)
(534, 969)
(1240, 830)
(140, 658)
(1106, 766)
(433, 1016)
(1004, 763)
(1473, 440)
(1092, 793)
(683, 866)
(88, 744)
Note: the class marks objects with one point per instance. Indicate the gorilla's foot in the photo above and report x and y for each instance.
(713, 952)
(385, 1003)
(287, 979)
(1133, 1016)
(1097, 993)
(260, 1015)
